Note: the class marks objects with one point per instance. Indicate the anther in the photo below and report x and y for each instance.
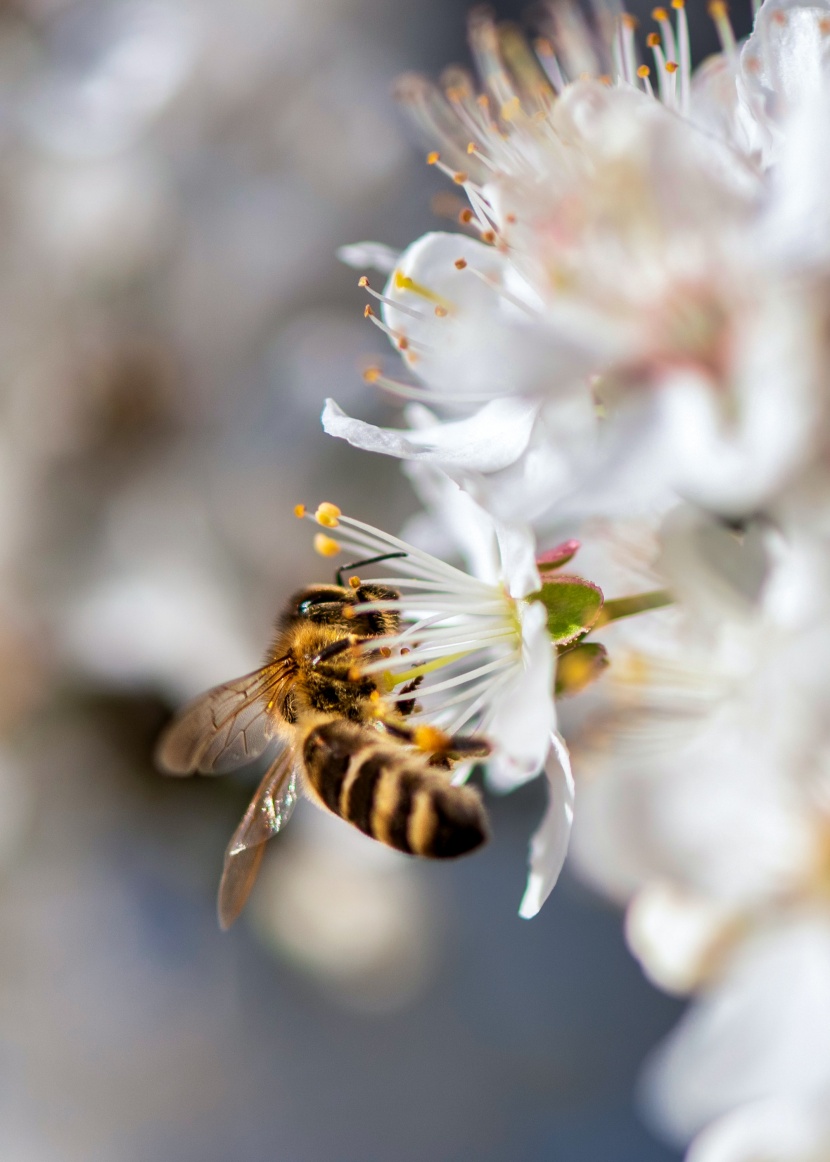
(299, 511)
(659, 14)
(653, 40)
(489, 236)
(327, 515)
(354, 582)
(363, 281)
(403, 343)
(441, 312)
(629, 21)
(327, 547)
(367, 312)
(460, 178)
(405, 650)
(671, 66)
(643, 71)
(471, 147)
(465, 217)
(385, 652)
(510, 219)
(460, 263)
(678, 4)
(348, 612)
(433, 158)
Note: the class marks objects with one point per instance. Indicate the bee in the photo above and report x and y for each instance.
(323, 719)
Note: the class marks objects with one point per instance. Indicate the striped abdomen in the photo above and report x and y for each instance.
(391, 793)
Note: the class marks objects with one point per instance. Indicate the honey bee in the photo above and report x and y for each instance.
(321, 716)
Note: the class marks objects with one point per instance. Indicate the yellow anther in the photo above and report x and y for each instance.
(433, 158)
(471, 147)
(367, 312)
(643, 71)
(406, 650)
(403, 343)
(441, 312)
(299, 511)
(671, 66)
(363, 280)
(430, 739)
(511, 109)
(374, 696)
(659, 14)
(465, 217)
(678, 4)
(717, 9)
(371, 375)
(460, 263)
(385, 652)
(460, 178)
(653, 39)
(327, 515)
(629, 21)
(354, 582)
(327, 547)
(348, 612)
(489, 236)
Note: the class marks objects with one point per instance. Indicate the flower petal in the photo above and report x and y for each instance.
(549, 845)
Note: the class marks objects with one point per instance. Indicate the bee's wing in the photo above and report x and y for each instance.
(268, 812)
(224, 728)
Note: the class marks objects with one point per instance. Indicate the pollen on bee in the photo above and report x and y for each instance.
(328, 515)
(354, 582)
(354, 674)
(327, 547)
(348, 612)
(430, 739)
(460, 263)
(299, 511)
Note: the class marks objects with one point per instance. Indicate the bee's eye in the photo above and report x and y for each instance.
(319, 603)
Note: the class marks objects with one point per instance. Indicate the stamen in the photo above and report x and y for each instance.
(684, 53)
(326, 547)
(643, 72)
(720, 15)
(299, 511)
(327, 515)
(374, 375)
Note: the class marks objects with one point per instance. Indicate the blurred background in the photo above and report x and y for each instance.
(175, 176)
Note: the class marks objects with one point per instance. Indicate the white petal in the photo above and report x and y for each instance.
(549, 845)
(521, 722)
(490, 440)
(369, 256)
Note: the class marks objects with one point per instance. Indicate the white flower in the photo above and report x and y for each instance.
(631, 258)
(476, 654)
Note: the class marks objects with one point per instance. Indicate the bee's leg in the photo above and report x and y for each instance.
(440, 746)
(359, 565)
(338, 647)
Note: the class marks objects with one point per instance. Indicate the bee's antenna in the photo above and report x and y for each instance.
(359, 565)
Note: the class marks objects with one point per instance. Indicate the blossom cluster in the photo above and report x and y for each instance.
(627, 342)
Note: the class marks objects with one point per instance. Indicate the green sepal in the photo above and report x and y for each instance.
(579, 666)
(573, 606)
(619, 607)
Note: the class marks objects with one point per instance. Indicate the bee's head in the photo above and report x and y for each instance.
(322, 604)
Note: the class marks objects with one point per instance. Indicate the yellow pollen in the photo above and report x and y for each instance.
(354, 582)
(629, 21)
(371, 375)
(363, 280)
(460, 263)
(348, 612)
(430, 739)
(460, 178)
(374, 696)
(327, 515)
(671, 66)
(653, 39)
(327, 547)
(659, 14)
(433, 158)
(678, 4)
(299, 511)
(643, 71)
